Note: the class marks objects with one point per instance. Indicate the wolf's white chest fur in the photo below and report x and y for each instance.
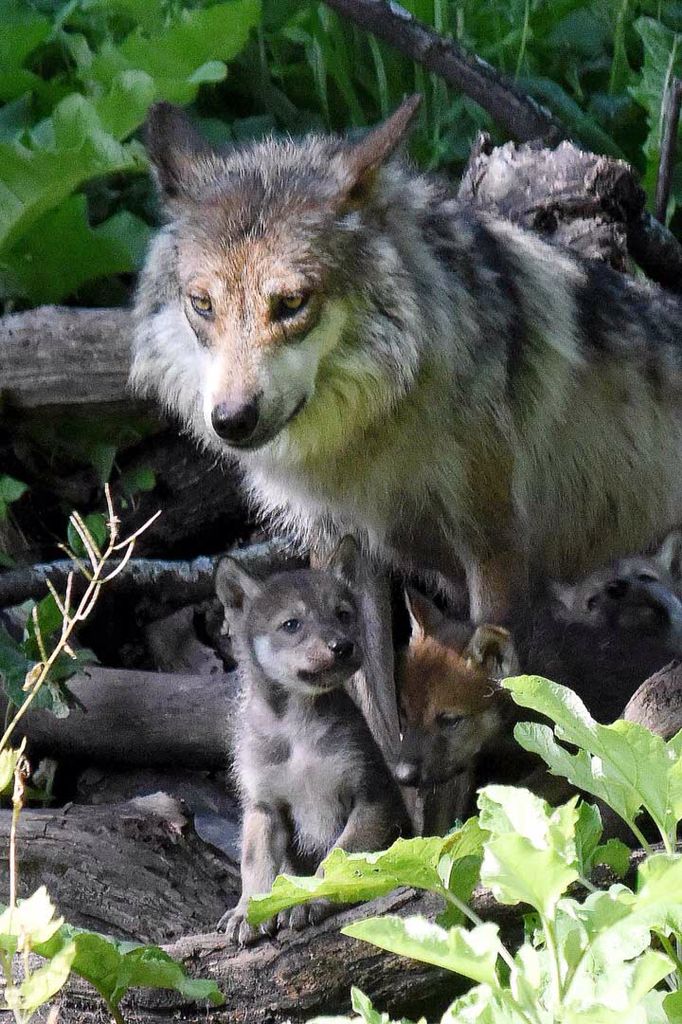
(314, 788)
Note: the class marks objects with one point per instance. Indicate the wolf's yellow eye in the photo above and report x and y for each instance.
(201, 304)
(285, 306)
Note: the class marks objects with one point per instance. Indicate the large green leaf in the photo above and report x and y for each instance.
(70, 148)
(623, 764)
(36, 265)
(531, 855)
(180, 57)
(422, 863)
(472, 954)
(662, 61)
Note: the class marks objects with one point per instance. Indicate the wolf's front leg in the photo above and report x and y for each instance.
(265, 847)
(496, 584)
(369, 827)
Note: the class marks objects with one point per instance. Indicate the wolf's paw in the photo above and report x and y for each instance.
(239, 932)
(298, 918)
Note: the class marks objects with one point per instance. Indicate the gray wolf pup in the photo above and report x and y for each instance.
(451, 389)
(311, 776)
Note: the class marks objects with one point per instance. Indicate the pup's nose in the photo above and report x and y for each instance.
(617, 589)
(407, 772)
(235, 423)
(341, 649)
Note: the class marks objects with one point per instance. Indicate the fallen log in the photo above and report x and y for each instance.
(167, 584)
(148, 719)
(42, 356)
(657, 704)
(134, 870)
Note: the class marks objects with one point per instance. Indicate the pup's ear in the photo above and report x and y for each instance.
(424, 616)
(364, 158)
(177, 152)
(235, 587)
(669, 555)
(344, 561)
(492, 649)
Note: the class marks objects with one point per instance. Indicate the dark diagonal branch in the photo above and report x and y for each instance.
(516, 112)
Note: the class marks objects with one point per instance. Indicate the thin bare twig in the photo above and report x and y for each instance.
(671, 120)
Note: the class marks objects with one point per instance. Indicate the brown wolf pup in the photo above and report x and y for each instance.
(450, 388)
(453, 713)
(310, 775)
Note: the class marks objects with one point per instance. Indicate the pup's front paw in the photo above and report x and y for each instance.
(298, 918)
(239, 932)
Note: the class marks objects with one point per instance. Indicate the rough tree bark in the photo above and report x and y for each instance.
(134, 870)
(146, 719)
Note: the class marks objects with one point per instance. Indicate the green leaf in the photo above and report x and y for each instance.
(470, 953)
(14, 666)
(192, 49)
(141, 478)
(114, 967)
(44, 983)
(615, 855)
(8, 762)
(623, 764)
(352, 877)
(672, 1004)
(36, 265)
(11, 489)
(662, 60)
(531, 856)
(66, 150)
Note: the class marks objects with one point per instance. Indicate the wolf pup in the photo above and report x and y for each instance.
(604, 634)
(310, 775)
(452, 710)
(450, 388)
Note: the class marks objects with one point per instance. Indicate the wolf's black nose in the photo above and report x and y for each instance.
(342, 649)
(235, 423)
(617, 589)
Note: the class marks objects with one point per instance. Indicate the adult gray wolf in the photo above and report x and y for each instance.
(449, 388)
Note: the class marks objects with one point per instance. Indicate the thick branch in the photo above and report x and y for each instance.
(59, 356)
(140, 718)
(168, 584)
(516, 112)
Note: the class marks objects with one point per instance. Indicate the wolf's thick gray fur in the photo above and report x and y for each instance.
(458, 391)
(310, 775)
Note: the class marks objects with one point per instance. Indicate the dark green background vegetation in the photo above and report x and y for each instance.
(77, 78)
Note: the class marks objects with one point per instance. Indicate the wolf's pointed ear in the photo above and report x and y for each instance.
(175, 149)
(344, 561)
(424, 616)
(365, 157)
(234, 587)
(492, 649)
(669, 555)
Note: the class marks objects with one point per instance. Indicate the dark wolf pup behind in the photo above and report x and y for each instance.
(310, 775)
(451, 389)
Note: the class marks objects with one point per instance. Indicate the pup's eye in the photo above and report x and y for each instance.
(201, 304)
(290, 625)
(447, 721)
(286, 306)
(344, 615)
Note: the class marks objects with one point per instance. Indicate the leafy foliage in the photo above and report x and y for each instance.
(111, 967)
(601, 957)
